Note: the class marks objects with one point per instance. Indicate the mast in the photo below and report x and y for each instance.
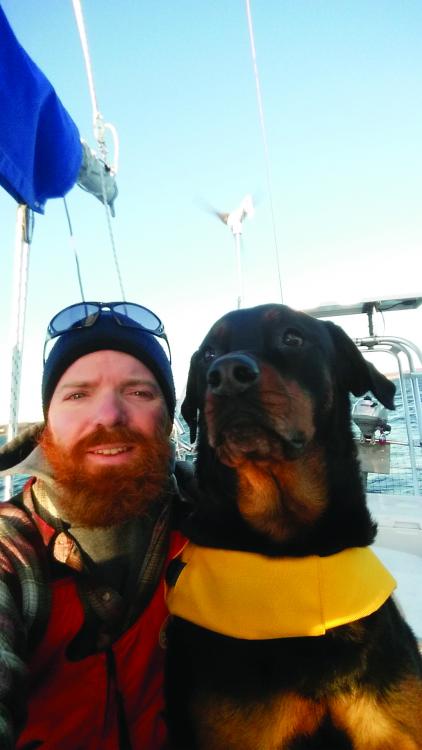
(23, 237)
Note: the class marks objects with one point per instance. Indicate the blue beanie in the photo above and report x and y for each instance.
(106, 333)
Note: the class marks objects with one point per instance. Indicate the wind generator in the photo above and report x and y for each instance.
(234, 220)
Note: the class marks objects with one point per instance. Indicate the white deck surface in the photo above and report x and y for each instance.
(399, 546)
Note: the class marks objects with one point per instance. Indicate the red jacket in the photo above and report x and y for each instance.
(130, 672)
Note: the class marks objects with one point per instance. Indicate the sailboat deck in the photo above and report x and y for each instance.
(399, 546)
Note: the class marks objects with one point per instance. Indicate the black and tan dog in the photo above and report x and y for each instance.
(284, 635)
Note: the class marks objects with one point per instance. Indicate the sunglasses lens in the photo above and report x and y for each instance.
(85, 314)
(75, 316)
(139, 315)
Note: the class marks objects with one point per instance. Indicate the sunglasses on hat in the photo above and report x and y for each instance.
(86, 314)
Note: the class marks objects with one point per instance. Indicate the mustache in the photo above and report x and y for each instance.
(99, 435)
(109, 435)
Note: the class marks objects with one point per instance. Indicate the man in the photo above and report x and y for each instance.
(84, 547)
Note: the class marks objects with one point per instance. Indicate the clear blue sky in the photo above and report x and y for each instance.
(341, 84)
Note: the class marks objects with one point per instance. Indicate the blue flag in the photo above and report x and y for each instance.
(40, 148)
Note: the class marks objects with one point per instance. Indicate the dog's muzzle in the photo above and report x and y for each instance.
(232, 374)
(240, 423)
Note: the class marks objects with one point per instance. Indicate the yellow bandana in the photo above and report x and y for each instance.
(251, 596)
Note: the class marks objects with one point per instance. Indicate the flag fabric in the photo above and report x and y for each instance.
(40, 148)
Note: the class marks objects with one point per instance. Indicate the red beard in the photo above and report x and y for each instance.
(93, 496)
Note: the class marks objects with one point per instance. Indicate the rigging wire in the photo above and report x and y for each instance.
(113, 244)
(75, 252)
(264, 140)
(96, 115)
(99, 131)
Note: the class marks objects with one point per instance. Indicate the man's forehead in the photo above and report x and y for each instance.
(108, 364)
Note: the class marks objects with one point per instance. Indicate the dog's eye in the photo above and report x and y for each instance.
(292, 338)
(209, 353)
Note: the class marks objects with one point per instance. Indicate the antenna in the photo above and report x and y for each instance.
(234, 221)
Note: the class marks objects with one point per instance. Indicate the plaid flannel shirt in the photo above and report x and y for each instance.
(28, 548)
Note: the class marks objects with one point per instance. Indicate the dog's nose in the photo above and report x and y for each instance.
(232, 373)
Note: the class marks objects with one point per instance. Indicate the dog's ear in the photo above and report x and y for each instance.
(359, 375)
(190, 406)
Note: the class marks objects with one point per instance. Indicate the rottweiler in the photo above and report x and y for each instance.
(284, 634)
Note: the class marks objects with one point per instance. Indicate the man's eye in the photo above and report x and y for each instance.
(75, 396)
(144, 394)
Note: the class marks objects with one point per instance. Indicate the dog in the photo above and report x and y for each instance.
(291, 664)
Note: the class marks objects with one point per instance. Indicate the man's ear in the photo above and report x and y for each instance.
(357, 374)
(190, 406)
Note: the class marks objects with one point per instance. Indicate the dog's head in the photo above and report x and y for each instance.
(269, 390)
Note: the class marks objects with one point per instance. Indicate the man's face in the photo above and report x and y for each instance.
(107, 439)
(108, 389)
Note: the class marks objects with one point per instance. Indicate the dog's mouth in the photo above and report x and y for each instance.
(244, 441)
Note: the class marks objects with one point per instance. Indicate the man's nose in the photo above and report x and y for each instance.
(110, 410)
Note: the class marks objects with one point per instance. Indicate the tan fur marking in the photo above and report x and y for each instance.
(224, 725)
(272, 314)
(277, 499)
(288, 407)
(393, 722)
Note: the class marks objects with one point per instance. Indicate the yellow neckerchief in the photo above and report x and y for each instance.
(251, 596)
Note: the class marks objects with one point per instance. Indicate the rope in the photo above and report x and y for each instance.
(264, 140)
(99, 129)
(73, 246)
(113, 244)
(96, 115)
